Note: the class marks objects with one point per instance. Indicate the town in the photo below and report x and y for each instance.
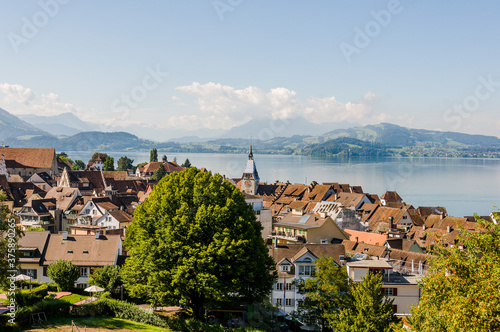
(83, 216)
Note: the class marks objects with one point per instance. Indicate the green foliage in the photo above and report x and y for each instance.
(153, 155)
(344, 305)
(51, 307)
(28, 297)
(109, 164)
(159, 173)
(64, 157)
(369, 310)
(141, 164)
(195, 242)
(9, 237)
(107, 277)
(64, 274)
(186, 163)
(125, 163)
(325, 293)
(78, 165)
(34, 228)
(460, 292)
(102, 156)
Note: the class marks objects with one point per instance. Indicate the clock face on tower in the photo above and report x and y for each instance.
(248, 183)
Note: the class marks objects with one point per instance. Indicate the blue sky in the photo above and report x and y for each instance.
(431, 65)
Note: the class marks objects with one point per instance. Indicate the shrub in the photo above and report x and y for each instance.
(64, 273)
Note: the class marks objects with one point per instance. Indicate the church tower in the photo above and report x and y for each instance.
(250, 178)
(3, 168)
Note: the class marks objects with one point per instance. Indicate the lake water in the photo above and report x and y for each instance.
(462, 185)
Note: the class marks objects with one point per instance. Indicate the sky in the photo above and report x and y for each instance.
(164, 68)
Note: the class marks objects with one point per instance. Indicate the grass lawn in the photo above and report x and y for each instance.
(73, 298)
(104, 323)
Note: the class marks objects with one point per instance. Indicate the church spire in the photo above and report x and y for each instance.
(250, 155)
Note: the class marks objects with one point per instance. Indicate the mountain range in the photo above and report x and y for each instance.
(66, 132)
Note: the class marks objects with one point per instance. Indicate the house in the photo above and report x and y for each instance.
(103, 213)
(262, 214)
(28, 161)
(403, 244)
(148, 170)
(40, 213)
(295, 263)
(85, 251)
(402, 288)
(390, 197)
(385, 219)
(31, 249)
(96, 165)
(67, 200)
(307, 227)
(367, 237)
(42, 180)
(352, 200)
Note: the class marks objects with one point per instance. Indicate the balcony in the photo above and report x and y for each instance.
(288, 236)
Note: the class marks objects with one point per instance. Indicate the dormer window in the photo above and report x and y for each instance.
(285, 268)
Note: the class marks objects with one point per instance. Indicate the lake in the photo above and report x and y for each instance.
(462, 185)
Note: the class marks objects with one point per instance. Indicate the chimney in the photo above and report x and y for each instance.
(423, 227)
(97, 235)
(64, 235)
(448, 229)
(391, 223)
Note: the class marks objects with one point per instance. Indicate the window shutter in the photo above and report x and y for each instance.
(395, 292)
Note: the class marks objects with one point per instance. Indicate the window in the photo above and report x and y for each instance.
(44, 271)
(257, 213)
(285, 268)
(279, 301)
(279, 286)
(84, 272)
(390, 291)
(289, 286)
(288, 302)
(29, 272)
(306, 270)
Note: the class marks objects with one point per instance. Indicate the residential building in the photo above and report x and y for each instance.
(263, 215)
(31, 247)
(87, 252)
(295, 263)
(40, 213)
(402, 288)
(28, 161)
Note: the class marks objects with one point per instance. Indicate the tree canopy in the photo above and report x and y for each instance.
(159, 173)
(196, 242)
(125, 163)
(100, 155)
(109, 164)
(342, 304)
(153, 155)
(107, 277)
(186, 163)
(64, 274)
(78, 165)
(461, 290)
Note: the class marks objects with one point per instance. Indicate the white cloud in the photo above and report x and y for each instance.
(224, 106)
(15, 93)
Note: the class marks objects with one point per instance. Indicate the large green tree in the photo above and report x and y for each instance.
(125, 163)
(109, 164)
(64, 274)
(461, 290)
(100, 155)
(9, 236)
(196, 242)
(332, 300)
(326, 292)
(369, 310)
(153, 155)
(107, 277)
